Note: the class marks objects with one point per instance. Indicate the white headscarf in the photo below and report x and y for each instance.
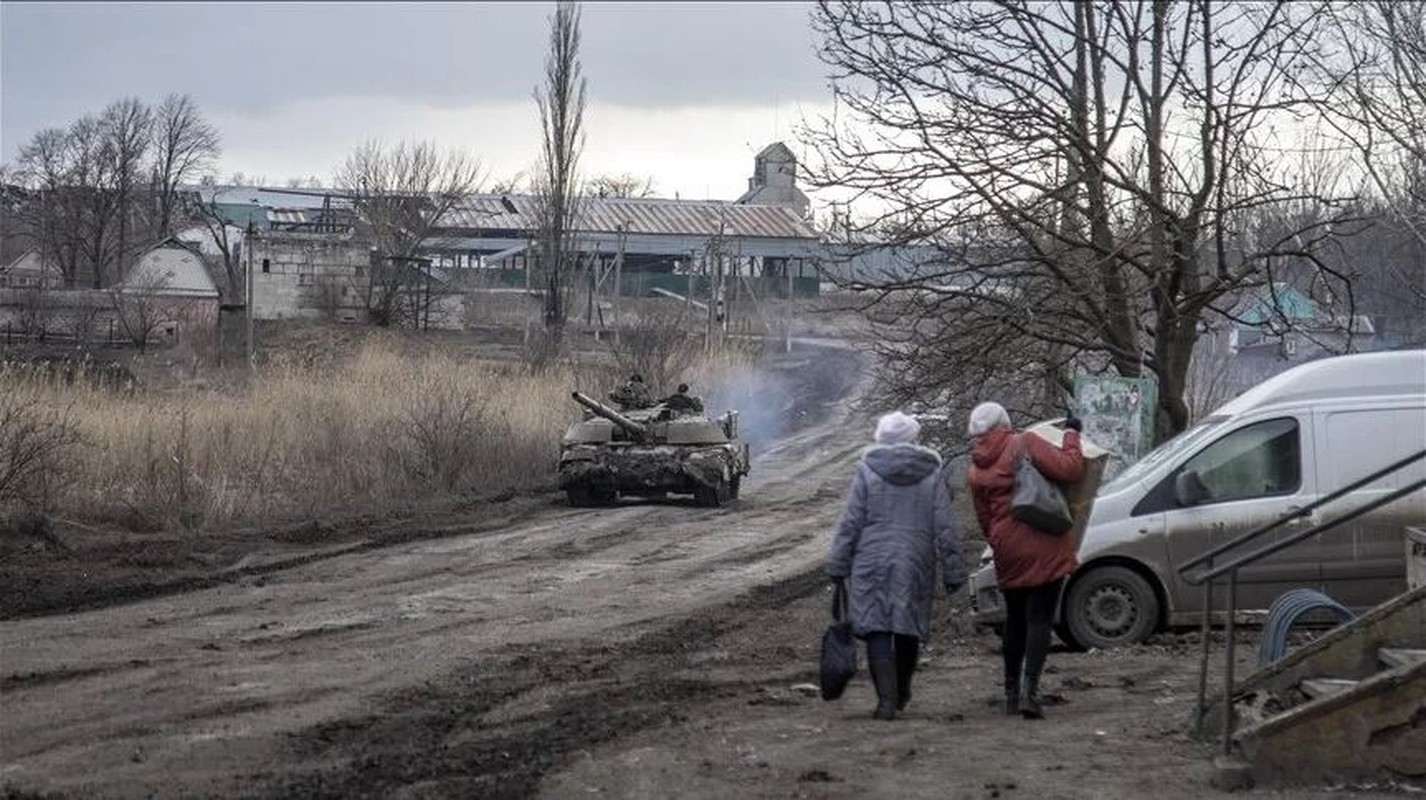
(897, 428)
(987, 417)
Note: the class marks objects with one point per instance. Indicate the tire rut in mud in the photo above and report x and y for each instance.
(460, 736)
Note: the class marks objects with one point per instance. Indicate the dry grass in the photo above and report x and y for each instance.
(313, 436)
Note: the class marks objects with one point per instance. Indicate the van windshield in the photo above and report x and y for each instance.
(1163, 452)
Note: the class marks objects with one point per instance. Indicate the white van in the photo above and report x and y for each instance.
(1277, 447)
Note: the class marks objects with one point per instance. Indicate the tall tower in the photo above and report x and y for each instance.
(774, 180)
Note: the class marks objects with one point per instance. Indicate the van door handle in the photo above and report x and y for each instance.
(1298, 521)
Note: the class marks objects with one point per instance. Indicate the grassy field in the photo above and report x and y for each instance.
(311, 433)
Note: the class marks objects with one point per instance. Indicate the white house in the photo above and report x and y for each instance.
(171, 268)
(170, 285)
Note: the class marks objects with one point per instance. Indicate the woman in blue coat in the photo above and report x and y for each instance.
(896, 523)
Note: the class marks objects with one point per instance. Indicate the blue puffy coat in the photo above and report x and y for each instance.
(897, 520)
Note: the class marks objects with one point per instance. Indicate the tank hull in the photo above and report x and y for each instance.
(602, 473)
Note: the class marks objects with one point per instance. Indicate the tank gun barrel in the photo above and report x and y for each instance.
(633, 428)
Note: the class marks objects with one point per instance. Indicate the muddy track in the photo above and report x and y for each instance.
(442, 739)
(465, 663)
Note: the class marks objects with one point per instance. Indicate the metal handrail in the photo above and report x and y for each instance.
(1218, 550)
(1206, 577)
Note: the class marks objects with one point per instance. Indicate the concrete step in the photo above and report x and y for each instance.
(1322, 687)
(1394, 657)
(1344, 727)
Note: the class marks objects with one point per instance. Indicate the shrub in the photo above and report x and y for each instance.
(39, 447)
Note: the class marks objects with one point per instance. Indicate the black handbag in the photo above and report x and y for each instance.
(1036, 500)
(839, 647)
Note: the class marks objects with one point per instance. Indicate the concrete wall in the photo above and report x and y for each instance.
(88, 318)
(308, 275)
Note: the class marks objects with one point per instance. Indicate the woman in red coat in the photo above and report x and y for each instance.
(1030, 565)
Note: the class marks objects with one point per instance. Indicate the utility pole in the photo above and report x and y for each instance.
(709, 254)
(529, 267)
(619, 275)
(787, 318)
(248, 274)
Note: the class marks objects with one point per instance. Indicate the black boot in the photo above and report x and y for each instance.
(1030, 699)
(907, 656)
(883, 677)
(1012, 698)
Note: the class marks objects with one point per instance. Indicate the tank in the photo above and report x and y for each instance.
(651, 452)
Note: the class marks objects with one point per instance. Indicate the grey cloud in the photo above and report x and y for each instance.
(58, 60)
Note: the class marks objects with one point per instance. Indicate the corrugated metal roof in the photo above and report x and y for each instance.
(642, 216)
(268, 197)
(658, 216)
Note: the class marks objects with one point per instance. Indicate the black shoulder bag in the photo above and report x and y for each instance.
(1036, 500)
(839, 647)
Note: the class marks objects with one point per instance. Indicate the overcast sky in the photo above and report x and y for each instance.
(683, 92)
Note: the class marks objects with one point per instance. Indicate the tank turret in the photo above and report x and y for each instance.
(634, 429)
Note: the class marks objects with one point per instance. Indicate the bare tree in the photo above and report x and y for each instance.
(400, 194)
(127, 130)
(659, 344)
(621, 185)
(561, 105)
(1373, 78)
(93, 182)
(85, 182)
(140, 306)
(226, 241)
(185, 146)
(52, 212)
(1095, 179)
(514, 184)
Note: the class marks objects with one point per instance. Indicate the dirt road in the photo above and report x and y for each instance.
(531, 649)
(289, 682)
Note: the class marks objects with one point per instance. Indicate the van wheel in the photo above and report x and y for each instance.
(1110, 607)
(735, 486)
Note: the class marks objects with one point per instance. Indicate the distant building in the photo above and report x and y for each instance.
(173, 278)
(1272, 329)
(30, 271)
(308, 275)
(309, 256)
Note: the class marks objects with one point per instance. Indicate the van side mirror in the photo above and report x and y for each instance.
(1187, 489)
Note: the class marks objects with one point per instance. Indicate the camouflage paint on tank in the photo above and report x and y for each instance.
(651, 451)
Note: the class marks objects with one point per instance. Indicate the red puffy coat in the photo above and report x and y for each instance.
(1024, 556)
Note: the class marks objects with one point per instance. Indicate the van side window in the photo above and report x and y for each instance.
(1260, 460)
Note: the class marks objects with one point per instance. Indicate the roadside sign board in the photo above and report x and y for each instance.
(1118, 414)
